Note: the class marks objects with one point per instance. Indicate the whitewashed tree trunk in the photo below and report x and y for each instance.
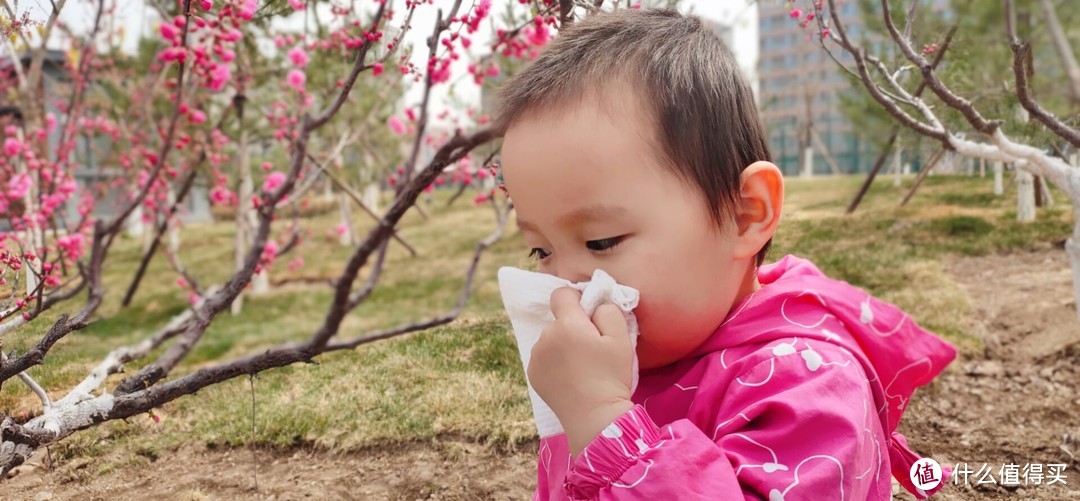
(999, 180)
(243, 207)
(1025, 197)
(371, 197)
(1072, 250)
(134, 225)
(982, 167)
(897, 167)
(348, 237)
(808, 162)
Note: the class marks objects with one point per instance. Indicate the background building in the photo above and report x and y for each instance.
(799, 88)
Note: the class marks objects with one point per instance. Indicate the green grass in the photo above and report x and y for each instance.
(465, 379)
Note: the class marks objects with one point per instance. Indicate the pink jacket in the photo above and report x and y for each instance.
(797, 395)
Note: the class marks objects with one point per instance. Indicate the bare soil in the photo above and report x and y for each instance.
(1015, 401)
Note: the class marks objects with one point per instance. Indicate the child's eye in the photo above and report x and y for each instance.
(603, 244)
(538, 253)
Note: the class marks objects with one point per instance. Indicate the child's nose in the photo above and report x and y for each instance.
(574, 272)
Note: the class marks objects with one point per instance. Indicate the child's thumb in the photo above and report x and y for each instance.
(610, 321)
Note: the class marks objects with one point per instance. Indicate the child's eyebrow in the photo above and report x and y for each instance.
(588, 213)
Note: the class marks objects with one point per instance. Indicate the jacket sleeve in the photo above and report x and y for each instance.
(781, 429)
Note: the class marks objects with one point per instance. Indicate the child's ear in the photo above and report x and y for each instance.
(761, 198)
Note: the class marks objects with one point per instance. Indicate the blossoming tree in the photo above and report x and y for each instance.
(188, 105)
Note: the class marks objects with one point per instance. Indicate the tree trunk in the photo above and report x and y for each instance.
(1072, 249)
(869, 181)
(1037, 188)
(999, 181)
(1025, 199)
(348, 237)
(371, 197)
(808, 162)
(897, 167)
(134, 224)
(1044, 189)
(982, 167)
(243, 206)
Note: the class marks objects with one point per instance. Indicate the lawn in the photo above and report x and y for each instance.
(464, 380)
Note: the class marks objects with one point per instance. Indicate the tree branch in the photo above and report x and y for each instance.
(1021, 56)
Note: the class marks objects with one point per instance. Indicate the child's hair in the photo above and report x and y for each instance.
(689, 81)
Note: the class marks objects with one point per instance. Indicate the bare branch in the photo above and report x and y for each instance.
(441, 320)
(29, 381)
(910, 18)
(360, 202)
(1064, 49)
(37, 354)
(162, 226)
(950, 98)
(452, 151)
(1021, 56)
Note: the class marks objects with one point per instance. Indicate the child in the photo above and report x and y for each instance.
(633, 145)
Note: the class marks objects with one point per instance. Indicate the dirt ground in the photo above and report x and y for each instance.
(1017, 402)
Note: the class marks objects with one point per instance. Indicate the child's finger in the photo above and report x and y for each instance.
(566, 304)
(610, 321)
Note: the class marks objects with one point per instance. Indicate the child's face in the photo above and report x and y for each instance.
(590, 192)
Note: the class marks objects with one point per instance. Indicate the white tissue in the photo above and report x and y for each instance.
(527, 298)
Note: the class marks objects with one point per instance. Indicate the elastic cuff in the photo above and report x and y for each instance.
(611, 453)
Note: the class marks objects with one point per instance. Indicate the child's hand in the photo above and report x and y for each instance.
(583, 367)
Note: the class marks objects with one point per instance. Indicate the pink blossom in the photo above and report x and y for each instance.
(298, 57)
(377, 69)
(233, 35)
(480, 198)
(810, 16)
(297, 4)
(266, 166)
(12, 146)
(410, 114)
(71, 245)
(206, 4)
(192, 298)
(19, 185)
(222, 196)
(169, 31)
(537, 35)
(296, 79)
(197, 117)
(795, 13)
(395, 125)
(227, 55)
(180, 281)
(67, 187)
(219, 76)
(248, 10)
(296, 264)
(341, 229)
(269, 253)
(273, 181)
